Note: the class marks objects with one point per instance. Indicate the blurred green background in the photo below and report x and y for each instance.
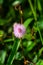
(14, 51)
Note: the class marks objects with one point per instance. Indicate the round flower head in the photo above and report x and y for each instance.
(19, 30)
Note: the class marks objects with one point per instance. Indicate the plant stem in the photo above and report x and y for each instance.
(21, 13)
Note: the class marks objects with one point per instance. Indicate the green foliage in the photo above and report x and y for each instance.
(2, 56)
(14, 51)
(1, 1)
(27, 22)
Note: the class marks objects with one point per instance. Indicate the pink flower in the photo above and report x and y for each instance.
(19, 30)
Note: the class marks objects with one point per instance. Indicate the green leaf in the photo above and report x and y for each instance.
(27, 22)
(8, 40)
(2, 56)
(40, 24)
(27, 36)
(40, 62)
(1, 1)
(18, 56)
(1, 33)
(39, 5)
(16, 3)
(35, 59)
(40, 52)
(13, 52)
(30, 45)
